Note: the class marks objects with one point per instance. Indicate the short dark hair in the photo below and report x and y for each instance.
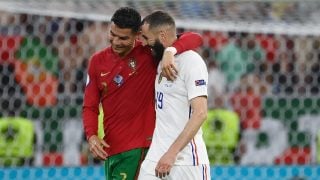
(127, 17)
(157, 19)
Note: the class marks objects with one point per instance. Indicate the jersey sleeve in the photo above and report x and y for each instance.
(188, 41)
(90, 109)
(195, 75)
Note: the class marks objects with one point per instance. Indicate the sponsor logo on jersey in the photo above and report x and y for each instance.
(200, 82)
(104, 74)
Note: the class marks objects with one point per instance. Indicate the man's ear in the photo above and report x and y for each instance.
(162, 36)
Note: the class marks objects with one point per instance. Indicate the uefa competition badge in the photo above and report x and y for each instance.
(133, 65)
(118, 79)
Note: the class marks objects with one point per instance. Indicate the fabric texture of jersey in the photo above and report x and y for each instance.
(173, 109)
(126, 89)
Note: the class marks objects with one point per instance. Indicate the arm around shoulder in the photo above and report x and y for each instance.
(188, 41)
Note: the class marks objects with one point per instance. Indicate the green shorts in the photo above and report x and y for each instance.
(126, 165)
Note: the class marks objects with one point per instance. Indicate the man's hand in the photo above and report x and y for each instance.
(165, 164)
(168, 67)
(96, 146)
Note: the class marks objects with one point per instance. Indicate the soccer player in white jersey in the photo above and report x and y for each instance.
(177, 150)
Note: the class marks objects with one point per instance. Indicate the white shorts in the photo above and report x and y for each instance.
(200, 172)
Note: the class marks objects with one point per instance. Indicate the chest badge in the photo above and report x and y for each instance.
(132, 65)
(118, 79)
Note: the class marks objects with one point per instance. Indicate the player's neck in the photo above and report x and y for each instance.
(124, 54)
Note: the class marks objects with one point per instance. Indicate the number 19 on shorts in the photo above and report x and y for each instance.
(159, 100)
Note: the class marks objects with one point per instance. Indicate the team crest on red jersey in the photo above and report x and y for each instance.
(133, 65)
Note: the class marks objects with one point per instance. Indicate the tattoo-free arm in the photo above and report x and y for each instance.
(199, 115)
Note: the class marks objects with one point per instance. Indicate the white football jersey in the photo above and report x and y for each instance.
(173, 109)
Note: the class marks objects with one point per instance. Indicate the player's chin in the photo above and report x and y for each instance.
(119, 50)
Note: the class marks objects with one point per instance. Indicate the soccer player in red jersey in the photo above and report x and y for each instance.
(121, 78)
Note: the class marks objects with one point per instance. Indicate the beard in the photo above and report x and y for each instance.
(157, 50)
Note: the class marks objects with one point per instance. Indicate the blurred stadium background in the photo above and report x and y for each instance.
(263, 61)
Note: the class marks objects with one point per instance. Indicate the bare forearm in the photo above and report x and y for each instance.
(190, 130)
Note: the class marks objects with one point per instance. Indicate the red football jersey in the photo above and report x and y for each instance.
(125, 87)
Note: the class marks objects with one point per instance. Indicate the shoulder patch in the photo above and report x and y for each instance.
(200, 82)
